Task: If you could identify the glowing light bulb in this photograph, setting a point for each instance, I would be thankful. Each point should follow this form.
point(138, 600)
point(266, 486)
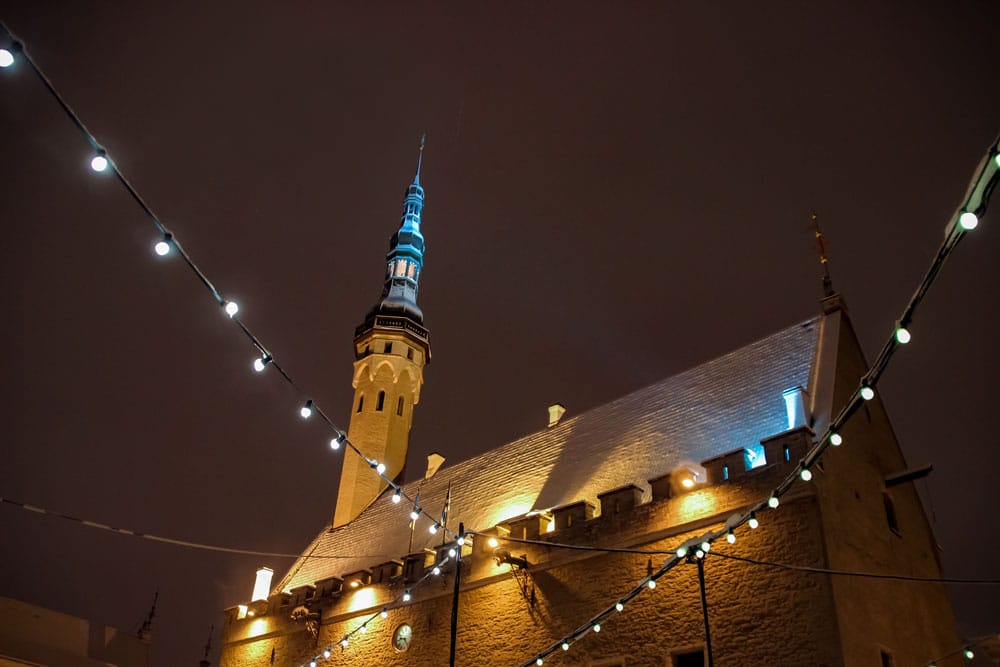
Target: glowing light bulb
point(380, 468)
point(706, 546)
point(565, 646)
point(406, 595)
point(687, 482)
point(306, 410)
point(867, 393)
point(343, 642)
point(363, 629)
point(903, 335)
point(460, 541)
point(436, 571)
point(261, 362)
point(806, 474)
point(232, 308)
point(699, 553)
point(835, 439)
point(996, 158)
point(434, 528)
point(619, 606)
point(493, 543)
point(651, 584)
point(99, 163)
point(752, 521)
point(335, 442)
point(384, 614)
point(6, 58)
point(968, 221)
point(415, 513)
point(969, 655)
point(681, 551)
point(161, 248)
point(312, 663)
point(326, 653)
point(396, 497)
point(731, 537)
point(451, 553)
point(773, 501)
point(539, 661)
point(597, 627)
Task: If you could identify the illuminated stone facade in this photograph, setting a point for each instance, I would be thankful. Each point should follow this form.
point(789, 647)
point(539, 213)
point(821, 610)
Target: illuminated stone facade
point(610, 477)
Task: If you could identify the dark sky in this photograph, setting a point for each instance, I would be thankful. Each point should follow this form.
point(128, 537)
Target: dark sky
point(615, 192)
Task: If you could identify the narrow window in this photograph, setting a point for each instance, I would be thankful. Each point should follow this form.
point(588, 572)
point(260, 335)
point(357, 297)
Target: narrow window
point(725, 472)
point(399, 406)
point(690, 659)
point(886, 658)
point(409, 353)
point(380, 402)
point(388, 348)
point(788, 453)
point(890, 512)
point(361, 402)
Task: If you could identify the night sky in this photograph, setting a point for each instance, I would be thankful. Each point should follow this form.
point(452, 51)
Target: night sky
point(615, 192)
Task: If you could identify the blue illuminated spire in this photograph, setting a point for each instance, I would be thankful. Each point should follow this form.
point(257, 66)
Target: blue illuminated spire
point(405, 258)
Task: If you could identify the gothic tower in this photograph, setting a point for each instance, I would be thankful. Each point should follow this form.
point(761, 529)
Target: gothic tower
point(391, 348)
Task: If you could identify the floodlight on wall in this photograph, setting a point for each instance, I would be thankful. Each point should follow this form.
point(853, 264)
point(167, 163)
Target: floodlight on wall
point(262, 584)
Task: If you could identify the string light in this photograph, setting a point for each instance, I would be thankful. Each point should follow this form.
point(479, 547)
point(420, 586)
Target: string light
point(415, 513)
point(969, 655)
point(596, 627)
point(619, 606)
point(651, 584)
point(407, 596)
point(806, 474)
point(436, 570)
point(681, 551)
point(306, 410)
point(752, 521)
point(699, 554)
point(434, 528)
point(396, 497)
point(335, 442)
point(773, 502)
point(363, 628)
point(968, 221)
point(162, 246)
point(232, 308)
point(326, 654)
point(539, 661)
point(731, 537)
point(99, 163)
point(451, 552)
point(835, 439)
point(312, 663)
point(384, 613)
point(565, 646)
point(867, 393)
point(6, 58)
point(261, 363)
point(902, 335)
point(343, 642)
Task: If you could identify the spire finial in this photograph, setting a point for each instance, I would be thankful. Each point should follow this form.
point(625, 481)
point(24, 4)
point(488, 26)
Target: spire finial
point(823, 259)
point(420, 157)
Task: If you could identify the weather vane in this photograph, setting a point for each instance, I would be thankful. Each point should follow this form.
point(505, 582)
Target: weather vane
point(823, 259)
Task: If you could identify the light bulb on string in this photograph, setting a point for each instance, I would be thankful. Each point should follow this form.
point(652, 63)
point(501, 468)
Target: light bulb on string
point(539, 661)
point(596, 627)
point(619, 606)
point(451, 552)
point(436, 571)
point(903, 335)
point(260, 363)
point(651, 584)
point(406, 595)
point(162, 246)
point(752, 521)
point(699, 554)
point(232, 308)
point(969, 655)
point(99, 163)
point(806, 474)
point(565, 646)
point(706, 546)
point(731, 537)
point(867, 393)
point(379, 468)
point(434, 528)
point(415, 513)
point(968, 221)
point(384, 613)
point(396, 497)
point(343, 642)
point(326, 654)
point(312, 663)
point(6, 58)
point(681, 551)
point(335, 442)
point(364, 628)
point(460, 541)
point(773, 502)
point(306, 410)
point(835, 439)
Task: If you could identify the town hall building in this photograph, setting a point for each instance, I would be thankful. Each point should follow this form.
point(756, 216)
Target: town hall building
point(548, 530)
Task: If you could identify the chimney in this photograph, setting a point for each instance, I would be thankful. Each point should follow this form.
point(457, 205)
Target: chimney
point(434, 461)
point(555, 413)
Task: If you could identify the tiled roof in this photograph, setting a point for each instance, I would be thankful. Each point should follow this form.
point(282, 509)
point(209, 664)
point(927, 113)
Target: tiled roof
point(730, 402)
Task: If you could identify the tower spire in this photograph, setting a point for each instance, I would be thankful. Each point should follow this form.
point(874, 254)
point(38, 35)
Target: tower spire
point(823, 259)
point(420, 157)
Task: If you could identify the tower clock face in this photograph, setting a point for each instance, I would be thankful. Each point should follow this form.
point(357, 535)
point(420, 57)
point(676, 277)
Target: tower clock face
point(401, 638)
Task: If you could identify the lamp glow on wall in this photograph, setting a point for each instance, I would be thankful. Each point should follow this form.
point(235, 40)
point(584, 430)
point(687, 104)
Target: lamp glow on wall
point(262, 585)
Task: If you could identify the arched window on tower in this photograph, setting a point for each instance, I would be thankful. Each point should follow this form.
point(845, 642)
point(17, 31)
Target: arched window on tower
point(399, 406)
point(380, 403)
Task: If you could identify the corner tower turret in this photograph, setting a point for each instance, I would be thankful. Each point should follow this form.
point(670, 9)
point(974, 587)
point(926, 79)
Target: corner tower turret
point(391, 348)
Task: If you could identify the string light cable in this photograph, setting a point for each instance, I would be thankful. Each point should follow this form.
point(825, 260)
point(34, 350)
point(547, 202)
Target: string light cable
point(966, 650)
point(965, 219)
point(101, 162)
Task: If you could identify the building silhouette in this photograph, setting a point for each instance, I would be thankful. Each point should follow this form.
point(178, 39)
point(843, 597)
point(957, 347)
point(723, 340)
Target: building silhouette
point(645, 473)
